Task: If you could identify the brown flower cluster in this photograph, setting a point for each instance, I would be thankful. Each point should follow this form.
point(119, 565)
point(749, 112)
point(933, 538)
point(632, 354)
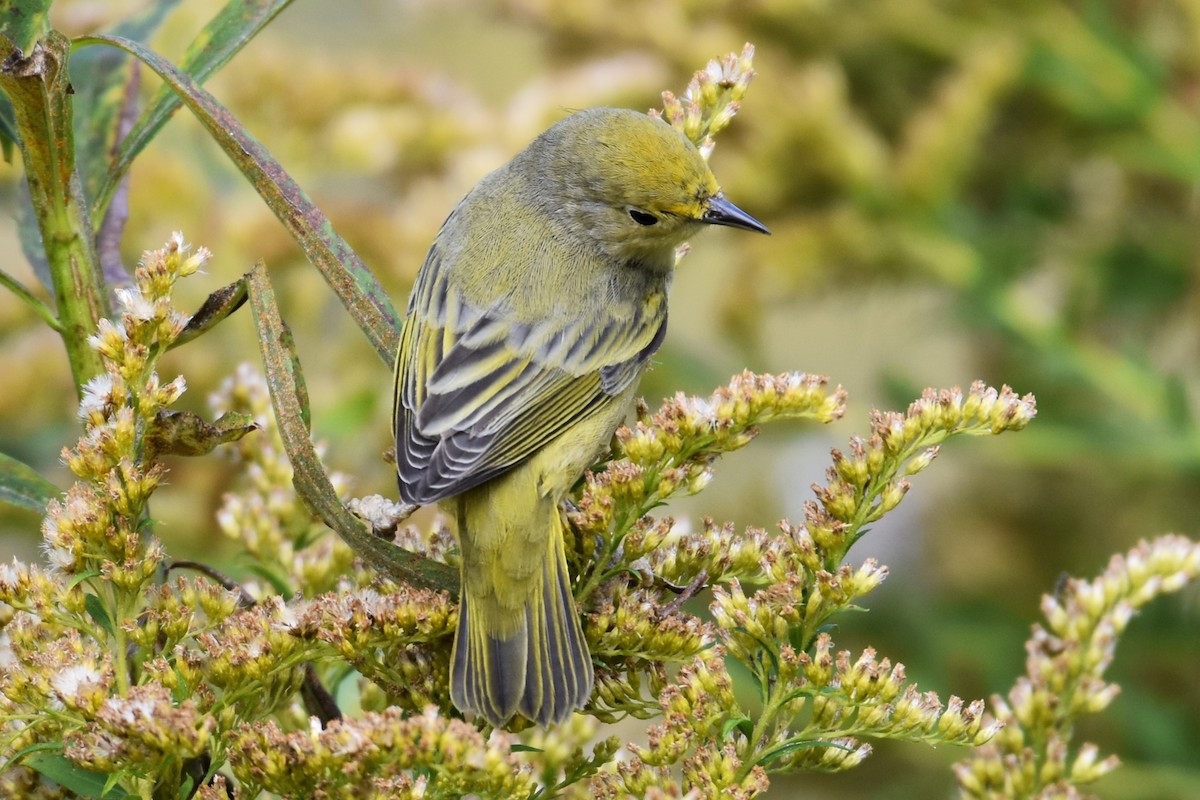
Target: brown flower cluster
point(386, 755)
point(399, 639)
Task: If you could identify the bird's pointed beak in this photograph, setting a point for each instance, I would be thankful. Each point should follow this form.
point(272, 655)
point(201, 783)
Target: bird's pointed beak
point(722, 212)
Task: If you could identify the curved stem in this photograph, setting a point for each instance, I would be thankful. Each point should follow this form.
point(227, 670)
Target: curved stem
point(28, 298)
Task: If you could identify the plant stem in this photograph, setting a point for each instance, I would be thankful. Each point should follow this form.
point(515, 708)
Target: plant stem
point(30, 299)
point(39, 88)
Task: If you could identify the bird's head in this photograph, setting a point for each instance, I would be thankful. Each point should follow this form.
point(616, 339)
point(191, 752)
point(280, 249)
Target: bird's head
point(633, 184)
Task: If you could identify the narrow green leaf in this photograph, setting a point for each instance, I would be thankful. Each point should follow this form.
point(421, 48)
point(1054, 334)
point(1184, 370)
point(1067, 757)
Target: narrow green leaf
point(37, 747)
point(182, 689)
point(98, 613)
point(743, 725)
point(106, 104)
point(29, 234)
point(525, 748)
point(8, 129)
point(309, 478)
point(792, 746)
point(74, 778)
point(354, 284)
point(278, 582)
point(229, 31)
point(105, 82)
point(24, 22)
point(21, 485)
point(110, 784)
point(83, 576)
point(216, 307)
point(288, 343)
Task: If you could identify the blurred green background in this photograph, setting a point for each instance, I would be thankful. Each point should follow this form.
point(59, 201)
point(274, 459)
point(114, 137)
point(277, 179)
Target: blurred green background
point(957, 190)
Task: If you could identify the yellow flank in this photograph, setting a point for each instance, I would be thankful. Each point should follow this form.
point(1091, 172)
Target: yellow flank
point(538, 307)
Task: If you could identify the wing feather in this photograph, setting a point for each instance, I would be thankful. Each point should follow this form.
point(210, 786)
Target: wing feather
point(476, 394)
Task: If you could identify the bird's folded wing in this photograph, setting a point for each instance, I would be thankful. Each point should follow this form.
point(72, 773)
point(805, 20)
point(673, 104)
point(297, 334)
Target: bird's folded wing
point(478, 394)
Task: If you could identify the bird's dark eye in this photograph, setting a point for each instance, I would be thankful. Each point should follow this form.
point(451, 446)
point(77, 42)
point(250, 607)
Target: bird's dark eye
point(642, 218)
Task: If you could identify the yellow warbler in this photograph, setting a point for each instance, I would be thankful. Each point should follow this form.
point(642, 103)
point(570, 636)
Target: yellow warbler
point(538, 307)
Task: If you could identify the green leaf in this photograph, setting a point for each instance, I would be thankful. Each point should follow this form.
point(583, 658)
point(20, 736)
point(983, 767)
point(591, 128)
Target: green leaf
point(83, 576)
point(525, 748)
point(744, 725)
point(21, 485)
point(309, 476)
point(74, 778)
point(98, 613)
point(29, 234)
point(354, 284)
point(278, 582)
point(8, 129)
point(37, 747)
point(792, 746)
point(105, 82)
point(299, 386)
point(17, 288)
point(24, 22)
point(228, 32)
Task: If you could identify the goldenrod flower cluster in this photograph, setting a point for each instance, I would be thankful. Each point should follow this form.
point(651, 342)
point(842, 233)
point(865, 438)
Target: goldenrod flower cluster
point(380, 755)
point(817, 704)
point(1066, 658)
point(262, 510)
point(711, 100)
point(399, 639)
point(79, 640)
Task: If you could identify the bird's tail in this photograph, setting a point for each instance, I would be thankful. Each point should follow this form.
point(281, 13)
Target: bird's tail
point(538, 665)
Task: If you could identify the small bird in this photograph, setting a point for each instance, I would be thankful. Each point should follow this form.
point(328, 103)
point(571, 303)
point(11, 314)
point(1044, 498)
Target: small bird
point(541, 301)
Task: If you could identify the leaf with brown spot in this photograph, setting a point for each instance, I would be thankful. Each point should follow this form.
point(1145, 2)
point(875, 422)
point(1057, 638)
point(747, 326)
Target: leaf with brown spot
point(216, 307)
point(182, 433)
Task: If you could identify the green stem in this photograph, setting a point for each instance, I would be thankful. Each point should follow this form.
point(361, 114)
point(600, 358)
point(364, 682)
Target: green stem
point(40, 91)
point(120, 646)
point(765, 720)
point(865, 507)
point(28, 298)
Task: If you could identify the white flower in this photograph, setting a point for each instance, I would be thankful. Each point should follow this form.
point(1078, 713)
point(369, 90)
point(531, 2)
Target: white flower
point(7, 657)
point(70, 680)
point(11, 574)
point(136, 304)
point(60, 558)
point(97, 395)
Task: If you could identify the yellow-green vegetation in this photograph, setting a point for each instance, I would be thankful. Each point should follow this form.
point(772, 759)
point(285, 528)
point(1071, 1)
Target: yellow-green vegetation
point(954, 189)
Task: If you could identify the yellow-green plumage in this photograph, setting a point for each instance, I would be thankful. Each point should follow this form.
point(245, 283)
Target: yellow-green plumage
point(535, 313)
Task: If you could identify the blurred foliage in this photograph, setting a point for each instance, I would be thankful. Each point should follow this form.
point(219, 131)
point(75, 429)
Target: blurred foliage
point(957, 189)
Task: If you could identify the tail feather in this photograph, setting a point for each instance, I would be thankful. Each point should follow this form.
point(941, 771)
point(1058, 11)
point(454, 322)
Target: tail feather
point(559, 675)
point(542, 669)
point(488, 672)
